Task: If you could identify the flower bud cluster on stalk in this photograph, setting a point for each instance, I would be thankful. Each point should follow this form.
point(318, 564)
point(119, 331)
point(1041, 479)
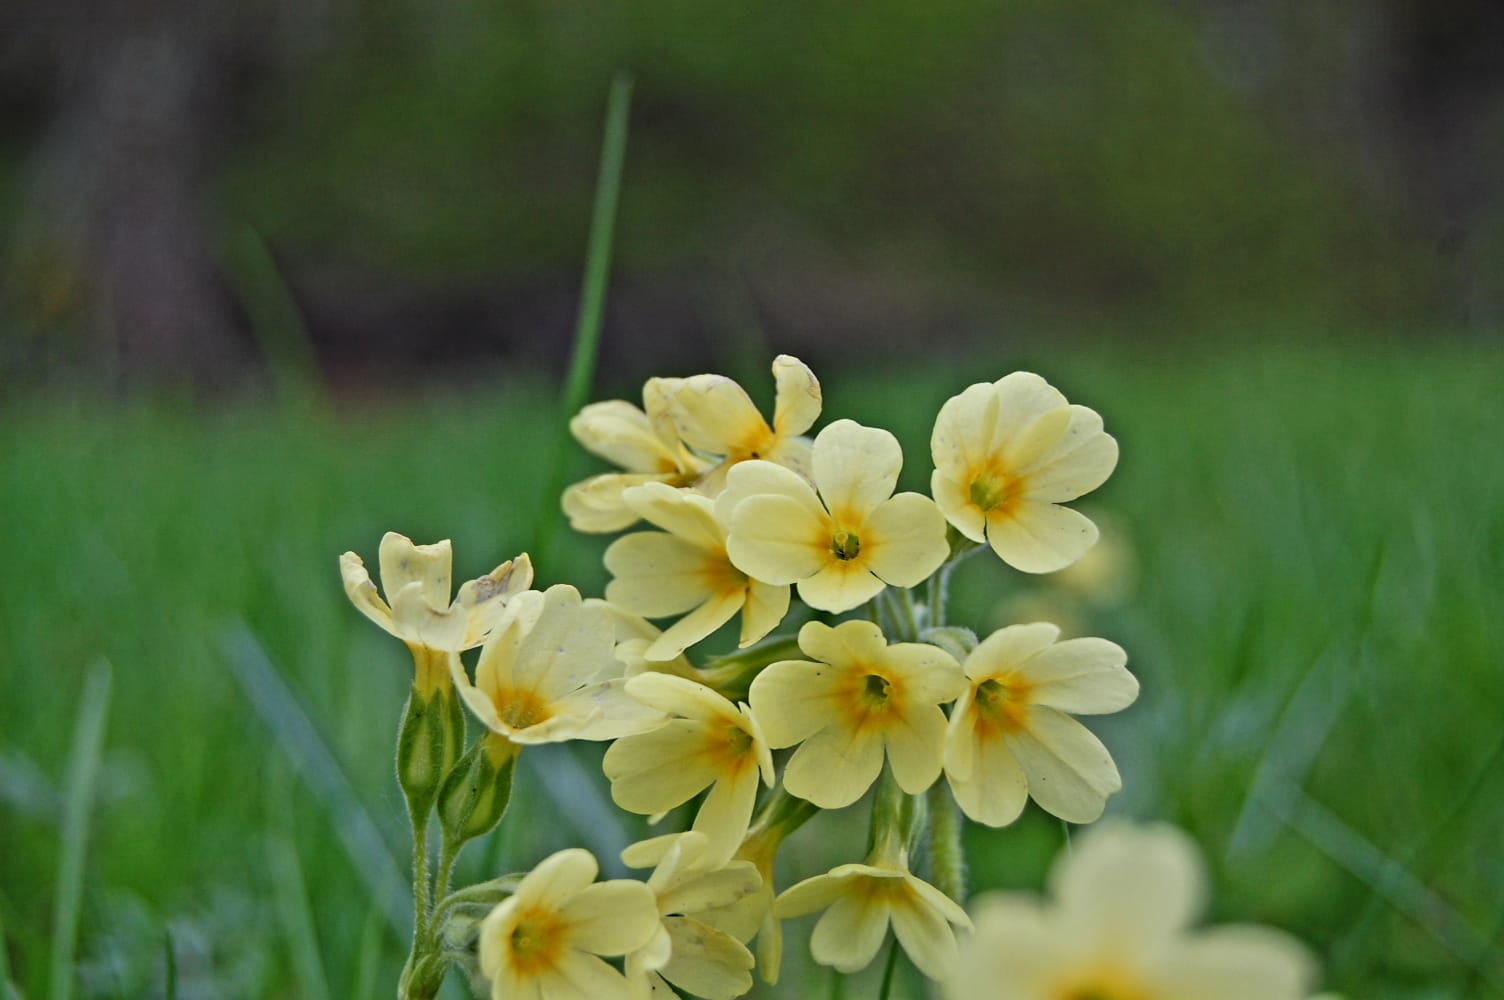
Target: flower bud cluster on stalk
point(865, 688)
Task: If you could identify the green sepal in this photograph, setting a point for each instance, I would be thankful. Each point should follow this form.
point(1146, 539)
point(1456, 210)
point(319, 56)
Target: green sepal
point(954, 639)
point(429, 741)
point(477, 790)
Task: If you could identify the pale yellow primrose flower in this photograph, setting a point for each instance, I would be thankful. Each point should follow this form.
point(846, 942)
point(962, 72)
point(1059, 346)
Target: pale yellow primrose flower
point(708, 742)
point(844, 539)
point(1010, 736)
point(860, 900)
point(864, 699)
point(1006, 455)
point(684, 568)
point(643, 442)
point(716, 417)
point(1119, 928)
point(417, 609)
point(545, 941)
point(547, 674)
point(694, 948)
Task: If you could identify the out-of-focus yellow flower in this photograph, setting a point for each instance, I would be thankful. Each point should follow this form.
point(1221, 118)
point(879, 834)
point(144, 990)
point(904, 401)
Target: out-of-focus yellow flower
point(1119, 928)
point(716, 417)
point(643, 442)
point(547, 674)
point(695, 948)
point(860, 900)
point(417, 608)
point(684, 568)
point(1010, 736)
point(1007, 454)
point(708, 742)
point(862, 701)
point(545, 941)
point(844, 539)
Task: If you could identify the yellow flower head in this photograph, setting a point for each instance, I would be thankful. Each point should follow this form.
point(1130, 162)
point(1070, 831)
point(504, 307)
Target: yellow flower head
point(642, 442)
point(417, 608)
point(696, 947)
point(860, 900)
point(1119, 928)
point(684, 568)
point(862, 700)
point(715, 417)
point(846, 537)
point(708, 743)
point(547, 674)
point(1010, 735)
point(1006, 455)
point(547, 938)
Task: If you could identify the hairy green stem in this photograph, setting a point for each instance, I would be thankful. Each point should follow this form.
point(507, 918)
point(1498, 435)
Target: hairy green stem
point(947, 854)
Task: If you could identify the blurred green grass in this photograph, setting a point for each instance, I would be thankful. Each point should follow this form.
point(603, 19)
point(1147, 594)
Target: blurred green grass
point(1317, 540)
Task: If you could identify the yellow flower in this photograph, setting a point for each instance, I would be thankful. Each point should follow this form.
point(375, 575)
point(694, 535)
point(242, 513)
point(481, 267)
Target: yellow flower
point(643, 442)
point(860, 900)
point(1118, 928)
point(1010, 735)
point(547, 674)
point(417, 609)
point(708, 743)
point(864, 699)
point(684, 568)
point(545, 941)
point(845, 544)
point(1006, 456)
point(714, 416)
point(695, 947)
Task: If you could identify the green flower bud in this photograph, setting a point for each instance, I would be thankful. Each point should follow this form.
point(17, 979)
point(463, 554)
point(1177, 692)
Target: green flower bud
point(429, 741)
point(477, 790)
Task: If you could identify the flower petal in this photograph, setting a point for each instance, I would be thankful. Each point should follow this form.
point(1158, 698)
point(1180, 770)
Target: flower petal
point(903, 539)
point(956, 504)
point(657, 574)
point(1002, 651)
point(1081, 676)
point(778, 540)
point(1080, 461)
point(792, 699)
point(834, 767)
point(1039, 537)
point(765, 607)
point(840, 586)
point(915, 745)
point(995, 790)
point(686, 515)
point(656, 771)
point(798, 401)
point(1070, 771)
point(718, 609)
point(714, 415)
point(1135, 888)
point(856, 468)
point(612, 918)
point(403, 563)
point(1237, 963)
point(925, 935)
point(848, 936)
point(362, 592)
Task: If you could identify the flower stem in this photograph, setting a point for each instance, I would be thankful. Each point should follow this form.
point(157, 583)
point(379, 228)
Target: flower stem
point(947, 855)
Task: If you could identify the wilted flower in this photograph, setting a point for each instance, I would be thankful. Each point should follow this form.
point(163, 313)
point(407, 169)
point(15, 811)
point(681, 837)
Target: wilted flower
point(1119, 928)
point(1006, 455)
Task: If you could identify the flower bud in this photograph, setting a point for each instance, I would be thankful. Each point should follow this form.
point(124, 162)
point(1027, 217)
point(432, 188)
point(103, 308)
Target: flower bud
point(429, 741)
point(477, 790)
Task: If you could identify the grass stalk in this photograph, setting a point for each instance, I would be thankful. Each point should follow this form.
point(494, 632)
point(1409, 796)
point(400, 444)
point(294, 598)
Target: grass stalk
point(587, 329)
point(83, 771)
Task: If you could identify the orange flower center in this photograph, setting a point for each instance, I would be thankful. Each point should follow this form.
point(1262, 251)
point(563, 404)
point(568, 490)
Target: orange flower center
point(1003, 703)
point(729, 746)
point(845, 544)
point(521, 709)
point(1102, 984)
point(992, 489)
point(536, 940)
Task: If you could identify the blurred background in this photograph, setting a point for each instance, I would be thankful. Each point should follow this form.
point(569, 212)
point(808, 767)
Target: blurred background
point(277, 277)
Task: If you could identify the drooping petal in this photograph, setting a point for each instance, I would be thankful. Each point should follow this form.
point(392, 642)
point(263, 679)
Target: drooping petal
point(727, 811)
point(798, 401)
point(856, 468)
point(362, 592)
point(814, 893)
point(848, 936)
point(1071, 774)
point(1039, 537)
point(903, 539)
point(925, 934)
point(765, 607)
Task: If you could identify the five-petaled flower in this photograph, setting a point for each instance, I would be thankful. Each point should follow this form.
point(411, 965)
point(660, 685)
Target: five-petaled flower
point(861, 701)
point(1010, 736)
point(846, 537)
point(547, 939)
point(1119, 928)
point(684, 568)
point(1007, 454)
point(707, 743)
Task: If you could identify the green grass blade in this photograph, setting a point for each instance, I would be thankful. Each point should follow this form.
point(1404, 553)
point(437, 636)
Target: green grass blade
point(83, 770)
point(300, 741)
point(170, 965)
point(368, 959)
point(275, 318)
point(296, 917)
point(8, 988)
point(587, 329)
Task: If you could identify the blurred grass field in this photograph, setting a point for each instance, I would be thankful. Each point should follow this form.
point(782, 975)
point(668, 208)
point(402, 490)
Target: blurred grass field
point(1311, 600)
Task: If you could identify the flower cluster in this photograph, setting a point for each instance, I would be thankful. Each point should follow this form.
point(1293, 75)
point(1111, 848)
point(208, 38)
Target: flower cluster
point(728, 515)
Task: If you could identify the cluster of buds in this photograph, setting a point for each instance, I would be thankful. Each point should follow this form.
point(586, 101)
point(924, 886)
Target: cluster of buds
point(874, 688)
